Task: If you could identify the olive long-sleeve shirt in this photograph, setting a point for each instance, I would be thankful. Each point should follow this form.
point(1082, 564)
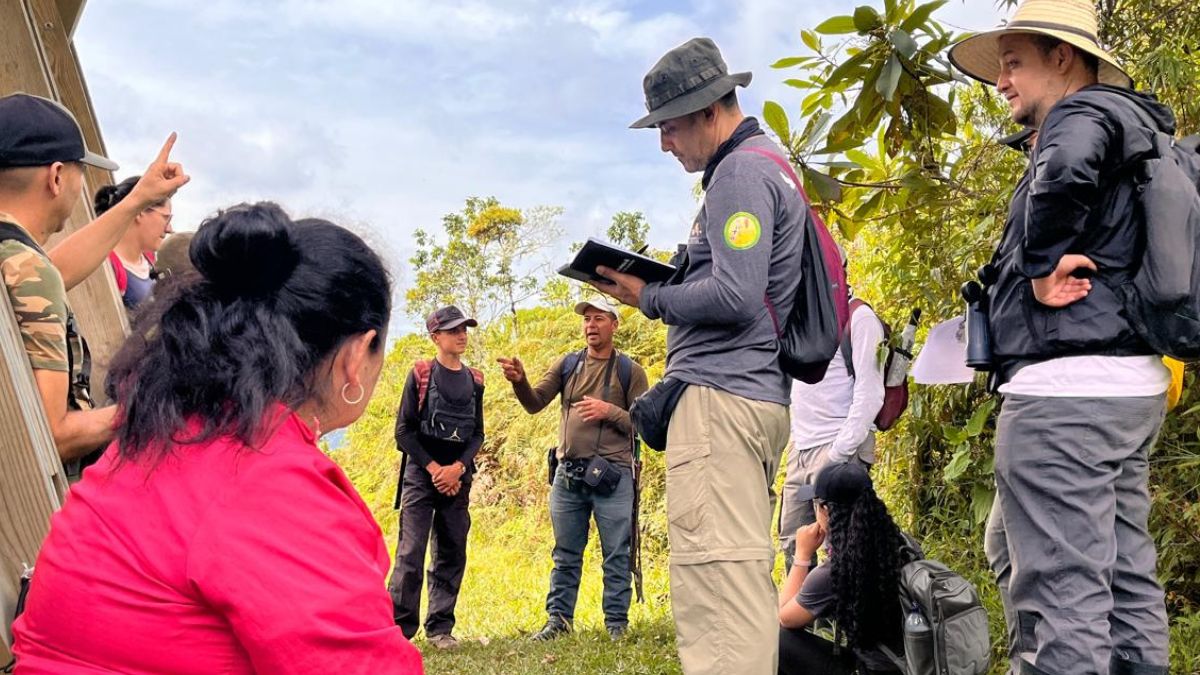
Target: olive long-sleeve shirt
point(577, 438)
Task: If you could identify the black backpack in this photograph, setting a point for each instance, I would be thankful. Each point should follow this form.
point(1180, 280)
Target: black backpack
point(440, 418)
point(1162, 300)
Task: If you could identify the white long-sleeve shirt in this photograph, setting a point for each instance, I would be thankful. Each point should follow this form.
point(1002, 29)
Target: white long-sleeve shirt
point(840, 409)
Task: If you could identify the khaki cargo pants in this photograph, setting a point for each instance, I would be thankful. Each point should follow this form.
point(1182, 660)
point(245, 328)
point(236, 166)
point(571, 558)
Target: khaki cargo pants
point(722, 455)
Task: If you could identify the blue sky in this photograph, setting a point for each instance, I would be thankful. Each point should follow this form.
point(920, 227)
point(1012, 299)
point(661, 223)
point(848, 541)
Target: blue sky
point(386, 114)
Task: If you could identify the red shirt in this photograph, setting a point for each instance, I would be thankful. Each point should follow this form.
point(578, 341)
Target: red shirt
point(221, 559)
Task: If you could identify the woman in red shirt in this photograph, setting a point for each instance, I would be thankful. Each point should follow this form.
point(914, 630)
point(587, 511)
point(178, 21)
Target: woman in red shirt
point(214, 536)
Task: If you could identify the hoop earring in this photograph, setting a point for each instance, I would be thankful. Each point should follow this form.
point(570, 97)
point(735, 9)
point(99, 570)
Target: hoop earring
point(362, 391)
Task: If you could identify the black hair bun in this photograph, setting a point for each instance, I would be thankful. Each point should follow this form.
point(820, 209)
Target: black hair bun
point(105, 198)
point(246, 250)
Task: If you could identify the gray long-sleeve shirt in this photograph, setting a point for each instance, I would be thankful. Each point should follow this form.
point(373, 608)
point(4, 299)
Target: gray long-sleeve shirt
point(744, 247)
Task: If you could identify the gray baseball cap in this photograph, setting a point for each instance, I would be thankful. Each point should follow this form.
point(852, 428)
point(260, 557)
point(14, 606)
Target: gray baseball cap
point(688, 78)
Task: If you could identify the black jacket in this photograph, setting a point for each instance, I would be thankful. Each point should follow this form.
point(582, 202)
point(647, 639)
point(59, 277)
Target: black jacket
point(1077, 196)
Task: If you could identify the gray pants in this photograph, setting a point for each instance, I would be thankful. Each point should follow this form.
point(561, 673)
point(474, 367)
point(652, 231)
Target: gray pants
point(1068, 538)
point(803, 465)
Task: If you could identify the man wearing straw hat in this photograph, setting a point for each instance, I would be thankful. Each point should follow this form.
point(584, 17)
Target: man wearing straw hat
point(1083, 395)
point(728, 430)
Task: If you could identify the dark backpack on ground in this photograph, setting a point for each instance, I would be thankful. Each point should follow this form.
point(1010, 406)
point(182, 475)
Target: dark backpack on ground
point(958, 642)
point(895, 398)
point(1162, 301)
point(811, 333)
point(440, 418)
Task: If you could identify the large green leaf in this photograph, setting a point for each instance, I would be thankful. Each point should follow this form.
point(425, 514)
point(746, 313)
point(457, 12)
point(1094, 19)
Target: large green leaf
point(889, 78)
point(777, 119)
point(811, 40)
point(827, 188)
point(981, 503)
point(958, 464)
point(903, 42)
point(791, 61)
point(866, 19)
point(920, 15)
point(975, 425)
point(838, 25)
point(847, 68)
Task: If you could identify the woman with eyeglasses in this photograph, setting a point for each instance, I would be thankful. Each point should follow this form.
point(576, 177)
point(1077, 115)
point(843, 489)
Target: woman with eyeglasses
point(132, 259)
point(214, 535)
point(856, 587)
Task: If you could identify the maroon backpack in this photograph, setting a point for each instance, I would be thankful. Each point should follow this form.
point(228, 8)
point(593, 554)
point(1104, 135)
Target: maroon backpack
point(811, 333)
point(895, 398)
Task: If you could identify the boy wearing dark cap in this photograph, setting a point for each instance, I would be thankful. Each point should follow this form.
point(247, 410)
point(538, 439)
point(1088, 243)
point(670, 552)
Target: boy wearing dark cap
point(439, 428)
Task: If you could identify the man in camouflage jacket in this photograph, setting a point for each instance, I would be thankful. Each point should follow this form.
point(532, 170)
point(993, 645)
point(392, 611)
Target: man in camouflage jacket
point(42, 158)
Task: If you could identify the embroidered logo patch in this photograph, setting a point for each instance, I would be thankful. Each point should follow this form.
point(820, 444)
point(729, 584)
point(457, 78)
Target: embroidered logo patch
point(742, 231)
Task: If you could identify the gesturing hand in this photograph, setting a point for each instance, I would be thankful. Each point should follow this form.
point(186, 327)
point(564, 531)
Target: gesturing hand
point(624, 287)
point(161, 179)
point(1060, 288)
point(592, 409)
point(514, 370)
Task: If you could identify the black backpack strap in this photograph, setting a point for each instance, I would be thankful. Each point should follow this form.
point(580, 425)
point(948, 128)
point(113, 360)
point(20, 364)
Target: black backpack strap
point(625, 375)
point(10, 231)
point(847, 345)
point(571, 365)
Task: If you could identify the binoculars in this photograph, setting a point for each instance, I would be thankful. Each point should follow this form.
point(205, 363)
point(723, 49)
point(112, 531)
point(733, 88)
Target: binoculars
point(979, 335)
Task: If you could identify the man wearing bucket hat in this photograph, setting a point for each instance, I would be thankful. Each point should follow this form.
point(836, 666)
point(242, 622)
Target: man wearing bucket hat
point(42, 158)
point(1083, 395)
point(596, 386)
point(728, 430)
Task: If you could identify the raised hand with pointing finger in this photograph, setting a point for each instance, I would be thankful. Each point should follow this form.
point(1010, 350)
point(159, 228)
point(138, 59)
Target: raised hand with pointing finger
point(161, 179)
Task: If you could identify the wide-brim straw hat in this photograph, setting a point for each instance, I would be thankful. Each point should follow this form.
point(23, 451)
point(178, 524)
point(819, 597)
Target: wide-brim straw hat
point(1072, 21)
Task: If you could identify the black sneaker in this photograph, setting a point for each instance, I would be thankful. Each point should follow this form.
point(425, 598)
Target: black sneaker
point(556, 627)
point(617, 631)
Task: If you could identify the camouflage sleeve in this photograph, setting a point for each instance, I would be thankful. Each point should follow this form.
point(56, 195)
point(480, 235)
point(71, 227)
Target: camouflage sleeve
point(39, 301)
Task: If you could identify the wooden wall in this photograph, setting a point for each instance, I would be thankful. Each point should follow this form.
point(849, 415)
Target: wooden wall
point(38, 57)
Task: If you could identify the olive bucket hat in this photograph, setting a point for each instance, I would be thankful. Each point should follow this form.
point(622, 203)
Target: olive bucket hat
point(688, 78)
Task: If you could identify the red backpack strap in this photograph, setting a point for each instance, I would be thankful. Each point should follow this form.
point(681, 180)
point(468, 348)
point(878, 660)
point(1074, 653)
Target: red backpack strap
point(827, 246)
point(478, 376)
point(152, 257)
point(118, 271)
point(421, 371)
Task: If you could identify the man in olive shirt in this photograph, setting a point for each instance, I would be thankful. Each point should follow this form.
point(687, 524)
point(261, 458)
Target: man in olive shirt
point(597, 388)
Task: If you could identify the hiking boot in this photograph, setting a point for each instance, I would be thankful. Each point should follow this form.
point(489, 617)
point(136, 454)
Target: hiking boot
point(556, 627)
point(442, 641)
point(617, 632)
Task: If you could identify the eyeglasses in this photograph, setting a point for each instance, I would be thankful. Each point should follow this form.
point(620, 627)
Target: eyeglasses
point(166, 216)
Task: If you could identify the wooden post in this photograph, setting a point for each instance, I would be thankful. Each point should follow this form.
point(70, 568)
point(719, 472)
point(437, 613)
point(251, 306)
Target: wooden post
point(37, 57)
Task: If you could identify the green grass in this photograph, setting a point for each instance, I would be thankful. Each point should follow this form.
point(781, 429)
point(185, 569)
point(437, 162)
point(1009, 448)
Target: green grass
point(503, 602)
point(503, 597)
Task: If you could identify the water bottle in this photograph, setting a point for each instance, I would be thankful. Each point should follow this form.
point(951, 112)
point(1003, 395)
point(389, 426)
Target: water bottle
point(918, 643)
point(897, 374)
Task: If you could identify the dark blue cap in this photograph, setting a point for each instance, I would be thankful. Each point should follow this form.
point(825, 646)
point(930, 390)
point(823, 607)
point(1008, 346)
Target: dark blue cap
point(36, 131)
point(446, 318)
point(842, 483)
